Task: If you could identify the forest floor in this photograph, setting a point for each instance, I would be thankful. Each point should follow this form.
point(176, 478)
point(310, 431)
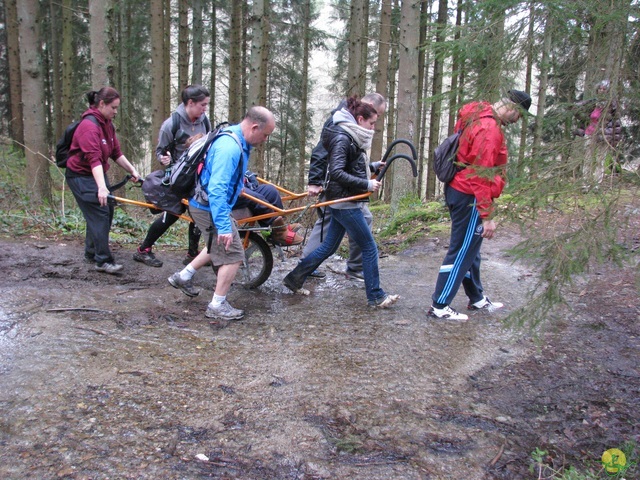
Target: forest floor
point(123, 377)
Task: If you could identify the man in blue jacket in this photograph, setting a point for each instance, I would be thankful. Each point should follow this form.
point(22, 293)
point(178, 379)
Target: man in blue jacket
point(222, 180)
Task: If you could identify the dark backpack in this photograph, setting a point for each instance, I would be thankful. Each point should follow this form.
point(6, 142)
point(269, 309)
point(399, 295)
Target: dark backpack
point(444, 158)
point(64, 144)
point(184, 173)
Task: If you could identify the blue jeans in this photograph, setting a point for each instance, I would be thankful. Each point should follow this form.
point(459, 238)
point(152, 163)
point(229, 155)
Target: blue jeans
point(353, 222)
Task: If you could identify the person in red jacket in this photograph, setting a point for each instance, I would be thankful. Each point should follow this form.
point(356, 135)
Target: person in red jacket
point(94, 143)
point(469, 197)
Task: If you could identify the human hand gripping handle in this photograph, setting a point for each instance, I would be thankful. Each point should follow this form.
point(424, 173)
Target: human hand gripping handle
point(314, 190)
point(374, 185)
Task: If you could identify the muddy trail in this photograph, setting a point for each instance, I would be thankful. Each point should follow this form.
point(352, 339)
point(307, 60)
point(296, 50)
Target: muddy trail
point(117, 377)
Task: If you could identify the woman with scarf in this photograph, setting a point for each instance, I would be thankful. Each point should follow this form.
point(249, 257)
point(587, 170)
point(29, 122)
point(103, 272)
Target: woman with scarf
point(348, 174)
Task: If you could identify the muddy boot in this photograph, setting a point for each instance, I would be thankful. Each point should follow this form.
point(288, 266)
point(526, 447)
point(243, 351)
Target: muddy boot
point(282, 234)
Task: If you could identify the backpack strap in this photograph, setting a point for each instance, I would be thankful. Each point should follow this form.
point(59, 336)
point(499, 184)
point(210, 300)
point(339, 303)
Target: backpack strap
point(175, 123)
point(207, 124)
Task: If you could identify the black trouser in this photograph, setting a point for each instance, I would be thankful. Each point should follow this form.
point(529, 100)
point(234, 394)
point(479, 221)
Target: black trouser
point(97, 217)
point(162, 224)
point(266, 193)
point(461, 265)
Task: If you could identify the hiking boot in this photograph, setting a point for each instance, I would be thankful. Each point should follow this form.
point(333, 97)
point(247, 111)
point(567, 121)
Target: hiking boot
point(109, 267)
point(354, 275)
point(385, 302)
point(224, 311)
point(185, 285)
point(283, 235)
point(147, 257)
point(486, 305)
point(446, 313)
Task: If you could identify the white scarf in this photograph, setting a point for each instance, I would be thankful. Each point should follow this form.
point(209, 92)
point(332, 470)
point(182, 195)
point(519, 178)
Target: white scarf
point(360, 135)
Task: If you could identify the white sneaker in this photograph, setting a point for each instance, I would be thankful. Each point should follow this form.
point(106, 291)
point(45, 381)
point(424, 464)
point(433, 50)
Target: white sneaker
point(486, 305)
point(224, 311)
point(385, 302)
point(446, 313)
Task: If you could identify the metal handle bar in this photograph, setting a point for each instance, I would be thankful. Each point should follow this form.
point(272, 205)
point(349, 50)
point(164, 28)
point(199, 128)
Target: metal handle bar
point(388, 163)
point(398, 141)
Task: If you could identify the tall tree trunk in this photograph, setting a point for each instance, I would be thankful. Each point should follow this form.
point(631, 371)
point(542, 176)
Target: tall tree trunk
point(16, 126)
point(304, 100)
point(38, 179)
point(391, 108)
point(214, 69)
point(403, 181)
point(67, 57)
point(235, 63)
point(382, 74)
point(543, 67)
point(423, 70)
point(436, 105)
point(456, 65)
point(167, 104)
point(102, 66)
point(56, 81)
point(183, 44)
point(530, 45)
point(197, 30)
point(124, 81)
point(158, 74)
point(257, 94)
point(356, 68)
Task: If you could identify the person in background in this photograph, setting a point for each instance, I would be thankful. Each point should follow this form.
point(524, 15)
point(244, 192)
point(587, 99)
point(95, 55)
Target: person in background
point(469, 197)
point(173, 140)
point(92, 146)
point(346, 142)
point(222, 180)
point(602, 129)
point(317, 177)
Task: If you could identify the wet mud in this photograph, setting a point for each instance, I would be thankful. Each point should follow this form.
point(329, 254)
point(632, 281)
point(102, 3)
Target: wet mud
point(118, 377)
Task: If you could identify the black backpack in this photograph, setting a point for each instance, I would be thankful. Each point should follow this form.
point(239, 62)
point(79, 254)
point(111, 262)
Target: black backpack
point(444, 158)
point(64, 144)
point(185, 172)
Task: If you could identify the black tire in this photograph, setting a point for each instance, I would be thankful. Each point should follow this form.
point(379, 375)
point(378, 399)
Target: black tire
point(258, 262)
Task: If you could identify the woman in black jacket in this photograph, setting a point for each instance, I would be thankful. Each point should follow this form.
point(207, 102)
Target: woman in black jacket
point(348, 175)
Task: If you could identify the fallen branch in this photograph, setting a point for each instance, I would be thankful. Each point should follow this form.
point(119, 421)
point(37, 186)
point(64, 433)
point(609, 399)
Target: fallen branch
point(94, 330)
point(77, 309)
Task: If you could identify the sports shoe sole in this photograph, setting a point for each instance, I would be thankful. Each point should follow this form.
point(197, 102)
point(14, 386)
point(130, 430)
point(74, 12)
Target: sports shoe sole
point(174, 284)
point(209, 314)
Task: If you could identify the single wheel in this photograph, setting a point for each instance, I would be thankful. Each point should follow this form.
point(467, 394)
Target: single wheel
point(258, 262)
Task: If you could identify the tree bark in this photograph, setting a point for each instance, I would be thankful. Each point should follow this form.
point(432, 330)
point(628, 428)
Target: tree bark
point(304, 100)
point(356, 68)
point(16, 126)
point(403, 181)
point(436, 105)
point(235, 64)
point(382, 74)
point(183, 44)
point(258, 65)
point(158, 77)
point(67, 57)
point(214, 69)
point(38, 179)
point(197, 34)
point(102, 65)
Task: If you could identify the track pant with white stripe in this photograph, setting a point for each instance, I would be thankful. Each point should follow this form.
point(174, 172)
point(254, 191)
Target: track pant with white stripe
point(461, 265)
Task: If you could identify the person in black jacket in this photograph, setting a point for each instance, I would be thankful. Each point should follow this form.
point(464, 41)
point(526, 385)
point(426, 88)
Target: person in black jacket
point(317, 177)
point(348, 174)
